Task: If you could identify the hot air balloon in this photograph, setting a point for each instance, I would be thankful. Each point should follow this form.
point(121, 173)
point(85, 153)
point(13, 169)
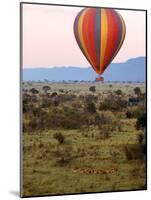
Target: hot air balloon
point(100, 34)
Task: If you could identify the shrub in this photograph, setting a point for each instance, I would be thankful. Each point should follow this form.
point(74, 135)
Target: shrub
point(141, 121)
point(113, 103)
point(26, 98)
point(34, 91)
point(107, 124)
point(32, 125)
point(89, 98)
point(118, 92)
point(133, 152)
point(129, 114)
point(137, 91)
point(54, 94)
point(64, 155)
point(46, 102)
point(36, 112)
point(92, 89)
point(61, 90)
point(90, 107)
point(27, 107)
point(65, 117)
point(46, 88)
point(105, 117)
point(135, 112)
point(66, 97)
point(140, 138)
point(133, 101)
point(59, 137)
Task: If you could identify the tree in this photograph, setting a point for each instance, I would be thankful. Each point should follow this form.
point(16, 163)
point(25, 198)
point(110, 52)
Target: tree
point(137, 91)
point(46, 80)
point(129, 114)
point(61, 90)
point(91, 107)
point(54, 94)
point(141, 121)
point(59, 137)
point(118, 92)
point(46, 88)
point(34, 91)
point(141, 124)
point(92, 89)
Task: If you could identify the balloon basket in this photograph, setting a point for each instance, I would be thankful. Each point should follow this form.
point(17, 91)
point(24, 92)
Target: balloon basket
point(100, 78)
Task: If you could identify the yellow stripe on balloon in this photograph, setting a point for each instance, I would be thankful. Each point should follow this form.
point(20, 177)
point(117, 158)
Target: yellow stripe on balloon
point(103, 39)
point(80, 25)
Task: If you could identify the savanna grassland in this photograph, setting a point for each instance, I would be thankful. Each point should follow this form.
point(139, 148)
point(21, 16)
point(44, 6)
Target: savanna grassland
point(83, 137)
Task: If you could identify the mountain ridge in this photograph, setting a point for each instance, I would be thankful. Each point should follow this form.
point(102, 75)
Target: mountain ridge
point(131, 70)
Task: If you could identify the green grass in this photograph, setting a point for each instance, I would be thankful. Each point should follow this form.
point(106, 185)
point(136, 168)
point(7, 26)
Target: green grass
point(44, 172)
point(43, 175)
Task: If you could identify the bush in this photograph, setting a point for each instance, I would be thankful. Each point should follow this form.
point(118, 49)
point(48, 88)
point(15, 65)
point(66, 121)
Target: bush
point(54, 94)
point(59, 137)
point(118, 92)
point(113, 103)
point(140, 138)
point(133, 152)
point(46, 102)
point(106, 124)
point(141, 121)
point(129, 114)
point(64, 155)
point(89, 98)
point(34, 91)
point(90, 107)
point(105, 117)
point(133, 101)
point(36, 112)
point(135, 112)
point(65, 117)
point(137, 91)
point(66, 97)
point(92, 89)
point(46, 88)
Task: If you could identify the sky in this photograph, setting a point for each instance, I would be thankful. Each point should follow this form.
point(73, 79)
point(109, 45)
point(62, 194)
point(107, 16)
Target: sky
point(48, 38)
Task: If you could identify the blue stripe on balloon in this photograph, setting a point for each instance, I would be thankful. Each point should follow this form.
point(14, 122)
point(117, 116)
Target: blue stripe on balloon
point(97, 34)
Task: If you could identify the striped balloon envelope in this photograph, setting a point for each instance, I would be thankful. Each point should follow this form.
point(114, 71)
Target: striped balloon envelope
point(100, 34)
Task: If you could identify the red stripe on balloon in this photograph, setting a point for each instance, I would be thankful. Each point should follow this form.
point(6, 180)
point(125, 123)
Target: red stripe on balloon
point(112, 37)
point(89, 36)
point(77, 35)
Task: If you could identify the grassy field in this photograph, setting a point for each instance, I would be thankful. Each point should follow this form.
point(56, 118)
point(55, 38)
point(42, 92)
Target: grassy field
point(83, 88)
point(86, 147)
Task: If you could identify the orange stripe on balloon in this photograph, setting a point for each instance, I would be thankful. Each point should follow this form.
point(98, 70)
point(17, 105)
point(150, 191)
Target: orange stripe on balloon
point(112, 37)
point(81, 37)
point(103, 39)
point(77, 35)
point(88, 36)
point(122, 38)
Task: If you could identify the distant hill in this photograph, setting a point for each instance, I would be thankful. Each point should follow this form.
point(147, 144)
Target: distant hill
point(131, 70)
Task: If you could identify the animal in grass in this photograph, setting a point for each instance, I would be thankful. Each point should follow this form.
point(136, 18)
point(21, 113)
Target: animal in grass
point(100, 34)
point(88, 170)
